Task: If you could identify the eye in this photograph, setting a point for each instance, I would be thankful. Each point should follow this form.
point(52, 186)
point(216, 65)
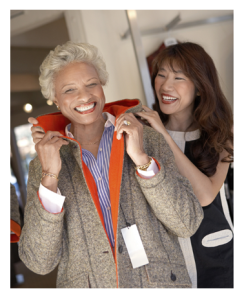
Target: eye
point(69, 90)
point(92, 84)
point(179, 78)
point(161, 75)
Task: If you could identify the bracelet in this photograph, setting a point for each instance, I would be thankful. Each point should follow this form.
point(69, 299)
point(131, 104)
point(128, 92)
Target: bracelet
point(44, 174)
point(144, 167)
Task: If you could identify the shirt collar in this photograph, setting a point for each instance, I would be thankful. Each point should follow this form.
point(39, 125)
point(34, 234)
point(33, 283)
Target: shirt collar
point(110, 121)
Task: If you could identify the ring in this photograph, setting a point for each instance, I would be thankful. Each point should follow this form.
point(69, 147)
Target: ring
point(127, 123)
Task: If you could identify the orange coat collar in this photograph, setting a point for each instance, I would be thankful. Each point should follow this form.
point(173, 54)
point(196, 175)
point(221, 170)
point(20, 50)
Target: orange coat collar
point(57, 122)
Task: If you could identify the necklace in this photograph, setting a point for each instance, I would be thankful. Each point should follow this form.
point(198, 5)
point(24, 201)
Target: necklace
point(91, 143)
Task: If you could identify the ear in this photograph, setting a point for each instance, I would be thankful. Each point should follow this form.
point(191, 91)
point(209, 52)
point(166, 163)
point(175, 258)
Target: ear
point(55, 101)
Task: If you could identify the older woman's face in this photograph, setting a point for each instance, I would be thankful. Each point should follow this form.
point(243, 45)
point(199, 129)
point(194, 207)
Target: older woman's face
point(79, 93)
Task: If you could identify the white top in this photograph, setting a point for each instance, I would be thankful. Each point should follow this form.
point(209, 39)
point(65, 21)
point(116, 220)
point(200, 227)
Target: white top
point(180, 137)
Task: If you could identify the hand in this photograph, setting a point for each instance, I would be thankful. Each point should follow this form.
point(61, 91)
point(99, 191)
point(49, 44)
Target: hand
point(153, 119)
point(48, 152)
point(133, 138)
point(37, 132)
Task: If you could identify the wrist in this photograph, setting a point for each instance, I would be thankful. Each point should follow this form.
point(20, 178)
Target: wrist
point(164, 131)
point(145, 166)
point(50, 181)
point(167, 137)
point(142, 159)
point(49, 174)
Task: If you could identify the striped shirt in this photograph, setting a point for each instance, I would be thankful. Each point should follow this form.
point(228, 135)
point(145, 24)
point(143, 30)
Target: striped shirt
point(99, 168)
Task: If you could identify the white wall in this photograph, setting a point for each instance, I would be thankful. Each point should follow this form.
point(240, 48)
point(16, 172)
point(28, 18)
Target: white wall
point(103, 28)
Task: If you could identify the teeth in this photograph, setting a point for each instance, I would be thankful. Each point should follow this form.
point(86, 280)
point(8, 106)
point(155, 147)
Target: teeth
point(85, 108)
point(169, 98)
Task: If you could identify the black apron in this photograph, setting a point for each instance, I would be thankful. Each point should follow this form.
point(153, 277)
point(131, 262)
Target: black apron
point(214, 257)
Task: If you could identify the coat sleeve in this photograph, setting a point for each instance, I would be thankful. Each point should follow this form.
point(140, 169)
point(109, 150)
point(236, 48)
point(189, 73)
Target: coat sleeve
point(169, 194)
point(40, 245)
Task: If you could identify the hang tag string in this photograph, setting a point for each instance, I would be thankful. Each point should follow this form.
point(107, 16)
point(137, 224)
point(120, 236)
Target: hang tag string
point(127, 223)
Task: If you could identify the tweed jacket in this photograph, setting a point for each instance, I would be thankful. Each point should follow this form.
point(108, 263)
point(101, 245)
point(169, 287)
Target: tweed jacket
point(163, 208)
point(14, 216)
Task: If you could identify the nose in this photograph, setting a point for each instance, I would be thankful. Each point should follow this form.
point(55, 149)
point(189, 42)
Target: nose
point(167, 84)
point(84, 94)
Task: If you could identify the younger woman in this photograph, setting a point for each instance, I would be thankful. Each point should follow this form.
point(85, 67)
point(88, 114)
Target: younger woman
point(195, 118)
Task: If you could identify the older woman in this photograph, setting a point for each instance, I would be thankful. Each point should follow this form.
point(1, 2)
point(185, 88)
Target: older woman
point(88, 210)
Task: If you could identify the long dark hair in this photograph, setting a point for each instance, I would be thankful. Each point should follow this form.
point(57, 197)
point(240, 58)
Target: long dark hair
point(211, 112)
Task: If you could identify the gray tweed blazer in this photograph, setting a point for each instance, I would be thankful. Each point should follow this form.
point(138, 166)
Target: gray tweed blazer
point(163, 208)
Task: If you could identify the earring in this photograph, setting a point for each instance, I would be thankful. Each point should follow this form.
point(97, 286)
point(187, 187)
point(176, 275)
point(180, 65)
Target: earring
point(58, 107)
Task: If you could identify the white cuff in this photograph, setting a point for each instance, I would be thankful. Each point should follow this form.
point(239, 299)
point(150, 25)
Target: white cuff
point(151, 171)
point(52, 202)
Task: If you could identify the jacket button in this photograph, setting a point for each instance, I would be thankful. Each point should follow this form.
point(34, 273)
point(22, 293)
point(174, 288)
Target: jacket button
point(120, 249)
point(173, 277)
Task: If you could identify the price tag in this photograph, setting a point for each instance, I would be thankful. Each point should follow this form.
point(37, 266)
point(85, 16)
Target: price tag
point(134, 246)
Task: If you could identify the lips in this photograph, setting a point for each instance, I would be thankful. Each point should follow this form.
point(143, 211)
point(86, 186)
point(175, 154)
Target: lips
point(168, 99)
point(86, 108)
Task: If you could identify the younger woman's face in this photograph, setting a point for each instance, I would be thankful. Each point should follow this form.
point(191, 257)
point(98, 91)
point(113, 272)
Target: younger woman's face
point(175, 91)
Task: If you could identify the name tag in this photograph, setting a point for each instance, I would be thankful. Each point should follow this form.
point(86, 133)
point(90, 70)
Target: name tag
point(217, 238)
point(134, 246)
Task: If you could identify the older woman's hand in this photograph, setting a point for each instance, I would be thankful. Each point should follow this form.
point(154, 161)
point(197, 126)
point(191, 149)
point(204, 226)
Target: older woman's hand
point(37, 132)
point(133, 137)
point(47, 148)
point(48, 152)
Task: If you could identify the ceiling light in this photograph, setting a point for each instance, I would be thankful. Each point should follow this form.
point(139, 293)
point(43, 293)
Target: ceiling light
point(49, 102)
point(28, 107)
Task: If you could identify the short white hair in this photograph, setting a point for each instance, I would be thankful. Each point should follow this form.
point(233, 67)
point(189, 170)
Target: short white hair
point(63, 55)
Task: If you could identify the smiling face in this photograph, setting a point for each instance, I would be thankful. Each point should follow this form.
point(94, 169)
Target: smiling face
point(79, 93)
point(175, 91)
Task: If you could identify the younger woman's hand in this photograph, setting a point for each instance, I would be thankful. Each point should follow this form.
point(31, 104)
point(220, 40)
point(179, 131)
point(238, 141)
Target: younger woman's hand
point(152, 118)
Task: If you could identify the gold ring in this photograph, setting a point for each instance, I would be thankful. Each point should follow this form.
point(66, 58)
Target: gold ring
point(127, 123)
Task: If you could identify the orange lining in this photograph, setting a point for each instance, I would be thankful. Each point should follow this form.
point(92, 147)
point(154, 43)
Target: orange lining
point(14, 227)
point(116, 168)
point(53, 122)
point(115, 176)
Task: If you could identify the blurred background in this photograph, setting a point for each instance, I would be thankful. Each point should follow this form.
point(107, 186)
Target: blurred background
point(127, 40)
